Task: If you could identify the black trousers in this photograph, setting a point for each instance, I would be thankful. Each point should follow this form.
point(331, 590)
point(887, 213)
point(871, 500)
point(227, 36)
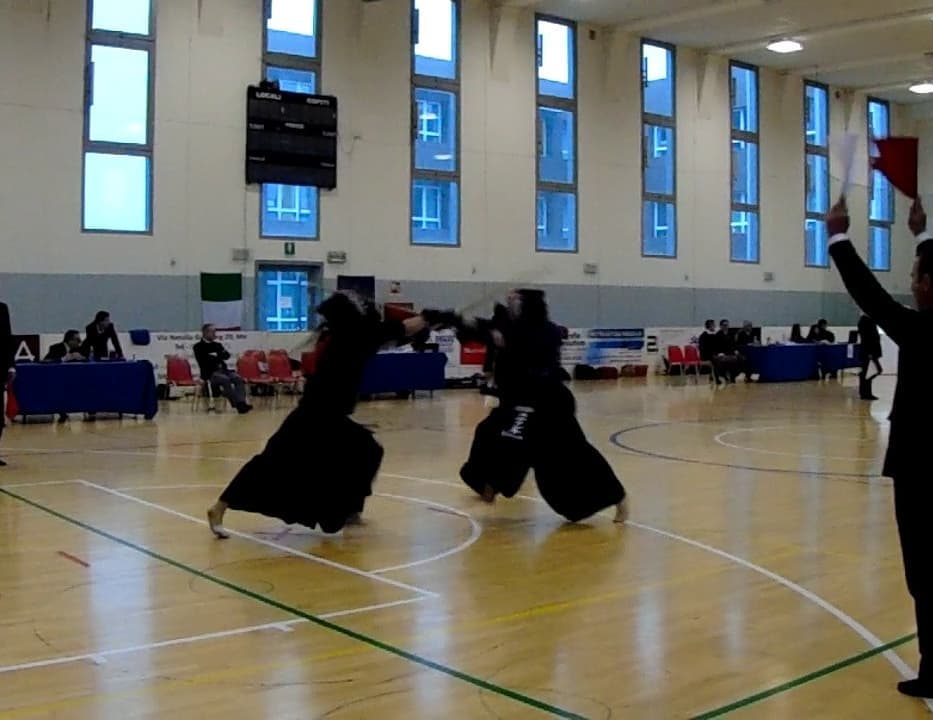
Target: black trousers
point(864, 384)
point(543, 434)
point(912, 498)
point(2, 407)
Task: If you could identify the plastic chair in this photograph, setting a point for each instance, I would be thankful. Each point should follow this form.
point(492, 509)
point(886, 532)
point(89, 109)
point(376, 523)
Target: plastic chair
point(247, 367)
point(178, 374)
point(280, 371)
point(675, 358)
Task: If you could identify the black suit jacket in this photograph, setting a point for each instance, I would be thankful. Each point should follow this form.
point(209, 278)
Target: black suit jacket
point(7, 350)
point(912, 331)
point(210, 357)
point(99, 342)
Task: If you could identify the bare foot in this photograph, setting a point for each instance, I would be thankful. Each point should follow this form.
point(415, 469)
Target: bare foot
point(621, 512)
point(489, 494)
point(215, 518)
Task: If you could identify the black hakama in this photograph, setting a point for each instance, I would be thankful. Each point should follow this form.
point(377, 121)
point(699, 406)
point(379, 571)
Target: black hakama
point(542, 435)
point(319, 466)
point(315, 470)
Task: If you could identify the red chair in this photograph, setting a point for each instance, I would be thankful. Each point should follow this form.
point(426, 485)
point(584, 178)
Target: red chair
point(247, 367)
point(692, 358)
point(280, 370)
point(675, 358)
point(178, 374)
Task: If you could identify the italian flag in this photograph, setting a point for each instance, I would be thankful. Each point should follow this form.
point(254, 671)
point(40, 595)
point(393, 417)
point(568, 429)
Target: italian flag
point(222, 300)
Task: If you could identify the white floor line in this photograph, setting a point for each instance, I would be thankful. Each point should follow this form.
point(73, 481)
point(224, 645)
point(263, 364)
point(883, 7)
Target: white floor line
point(720, 439)
point(867, 635)
point(267, 543)
point(476, 530)
point(902, 668)
point(100, 657)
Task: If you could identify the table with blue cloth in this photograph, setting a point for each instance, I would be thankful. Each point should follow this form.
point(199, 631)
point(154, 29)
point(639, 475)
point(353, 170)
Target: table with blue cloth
point(112, 386)
point(791, 363)
point(404, 372)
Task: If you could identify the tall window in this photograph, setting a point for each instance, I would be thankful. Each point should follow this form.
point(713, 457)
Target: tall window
point(435, 141)
point(658, 151)
point(118, 99)
point(292, 58)
point(816, 181)
point(556, 220)
point(880, 195)
point(745, 246)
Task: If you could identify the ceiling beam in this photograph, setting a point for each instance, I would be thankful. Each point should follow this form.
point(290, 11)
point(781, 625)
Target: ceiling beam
point(876, 23)
point(817, 70)
point(711, 9)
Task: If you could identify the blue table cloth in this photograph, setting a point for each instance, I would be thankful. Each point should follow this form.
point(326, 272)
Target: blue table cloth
point(791, 363)
point(126, 387)
point(404, 372)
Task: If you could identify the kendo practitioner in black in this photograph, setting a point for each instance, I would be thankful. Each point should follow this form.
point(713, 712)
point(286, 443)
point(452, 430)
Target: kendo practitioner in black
point(907, 461)
point(535, 425)
point(318, 468)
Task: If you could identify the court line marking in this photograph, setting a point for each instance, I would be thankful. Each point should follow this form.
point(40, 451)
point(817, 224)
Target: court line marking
point(616, 439)
point(719, 440)
point(873, 640)
point(802, 680)
point(100, 656)
point(315, 619)
point(261, 541)
point(476, 529)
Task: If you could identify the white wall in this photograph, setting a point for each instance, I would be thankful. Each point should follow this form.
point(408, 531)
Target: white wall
point(203, 210)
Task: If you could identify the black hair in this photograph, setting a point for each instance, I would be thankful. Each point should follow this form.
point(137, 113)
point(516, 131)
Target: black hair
point(101, 316)
point(71, 334)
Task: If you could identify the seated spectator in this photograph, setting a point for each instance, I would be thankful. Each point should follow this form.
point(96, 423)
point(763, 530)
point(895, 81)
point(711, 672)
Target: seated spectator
point(68, 350)
point(820, 333)
point(726, 363)
point(743, 339)
point(99, 335)
point(211, 357)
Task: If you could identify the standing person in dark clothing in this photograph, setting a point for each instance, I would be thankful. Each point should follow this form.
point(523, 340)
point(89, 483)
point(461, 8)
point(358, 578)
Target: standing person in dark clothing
point(7, 363)
point(908, 457)
point(319, 466)
point(99, 335)
point(869, 353)
point(212, 356)
point(535, 425)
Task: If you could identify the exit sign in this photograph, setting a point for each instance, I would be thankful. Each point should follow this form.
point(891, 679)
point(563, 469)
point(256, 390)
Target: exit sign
point(289, 249)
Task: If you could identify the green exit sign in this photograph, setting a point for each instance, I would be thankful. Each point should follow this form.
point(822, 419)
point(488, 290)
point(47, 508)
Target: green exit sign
point(289, 249)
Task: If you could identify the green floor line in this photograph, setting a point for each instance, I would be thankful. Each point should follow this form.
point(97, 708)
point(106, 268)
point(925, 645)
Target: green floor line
point(347, 632)
point(804, 679)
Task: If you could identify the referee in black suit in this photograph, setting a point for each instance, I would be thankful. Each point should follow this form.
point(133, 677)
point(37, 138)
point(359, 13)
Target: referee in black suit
point(907, 461)
point(7, 366)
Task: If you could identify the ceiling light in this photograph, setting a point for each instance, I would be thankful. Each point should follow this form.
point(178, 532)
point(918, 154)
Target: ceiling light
point(923, 88)
point(785, 46)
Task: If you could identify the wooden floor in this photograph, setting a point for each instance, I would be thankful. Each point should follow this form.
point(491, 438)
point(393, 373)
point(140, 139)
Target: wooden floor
point(759, 576)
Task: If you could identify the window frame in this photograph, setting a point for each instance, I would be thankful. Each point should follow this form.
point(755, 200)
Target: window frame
point(293, 62)
point(653, 120)
point(570, 105)
point(445, 85)
point(128, 41)
point(886, 225)
point(821, 151)
point(748, 137)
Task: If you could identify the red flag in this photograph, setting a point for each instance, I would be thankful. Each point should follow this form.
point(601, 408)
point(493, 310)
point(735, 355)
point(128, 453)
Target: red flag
point(897, 161)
